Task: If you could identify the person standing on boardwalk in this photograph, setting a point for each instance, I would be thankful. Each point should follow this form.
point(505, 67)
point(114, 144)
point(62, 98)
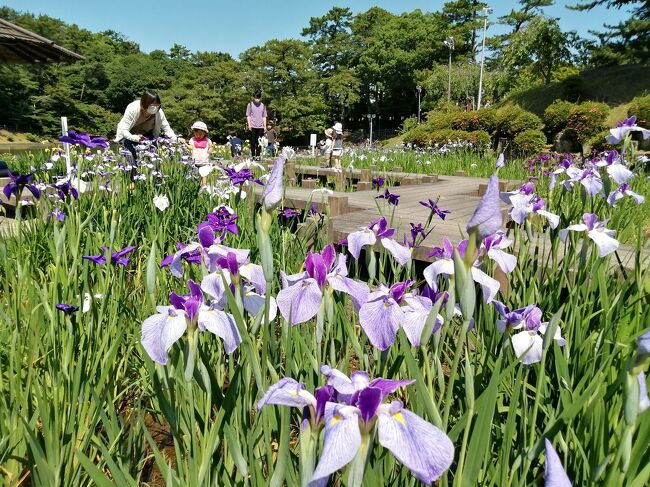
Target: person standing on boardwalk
point(271, 135)
point(337, 145)
point(143, 119)
point(256, 118)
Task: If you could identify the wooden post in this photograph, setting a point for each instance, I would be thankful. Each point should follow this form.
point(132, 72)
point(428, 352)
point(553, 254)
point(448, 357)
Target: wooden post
point(338, 205)
point(366, 175)
point(364, 186)
point(290, 170)
point(461, 173)
point(309, 183)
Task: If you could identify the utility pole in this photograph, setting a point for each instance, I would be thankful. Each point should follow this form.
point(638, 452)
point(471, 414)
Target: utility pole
point(486, 12)
point(449, 42)
point(419, 88)
point(370, 117)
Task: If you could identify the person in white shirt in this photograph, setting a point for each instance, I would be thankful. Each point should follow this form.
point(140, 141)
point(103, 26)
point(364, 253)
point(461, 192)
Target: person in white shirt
point(143, 119)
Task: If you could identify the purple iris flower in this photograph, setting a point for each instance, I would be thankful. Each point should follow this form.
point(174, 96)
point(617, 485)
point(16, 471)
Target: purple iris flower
point(433, 206)
point(487, 218)
point(56, 213)
point(615, 165)
point(222, 222)
point(67, 308)
point(501, 161)
point(289, 213)
point(162, 330)
point(589, 178)
point(82, 138)
point(389, 309)
point(620, 192)
point(240, 177)
point(65, 188)
point(596, 231)
point(528, 342)
point(643, 345)
point(302, 294)
point(378, 229)
point(554, 474)
point(117, 258)
point(525, 202)
point(418, 235)
point(17, 183)
point(424, 449)
point(378, 183)
point(444, 265)
point(493, 246)
point(625, 127)
point(391, 198)
point(193, 257)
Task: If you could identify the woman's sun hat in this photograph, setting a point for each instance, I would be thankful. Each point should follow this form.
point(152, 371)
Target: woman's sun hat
point(329, 132)
point(200, 126)
point(338, 128)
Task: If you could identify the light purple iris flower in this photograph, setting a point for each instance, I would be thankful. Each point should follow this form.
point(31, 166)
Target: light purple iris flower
point(501, 161)
point(302, 294)
point(643, 345)
point(525, 202)
point(274, 190)
point(117, 258)
point(589, 178)
point(369, 235)
point(162, 330)
point(420, 446)
point(390, 308)
point(625, 127)
point(487, 218)
point(554, 474)
point(231, 266)
point(445, 266)
point(596, 231)
point(615, 167)
point(527, 343)
point(493, 246)
point(620, 192)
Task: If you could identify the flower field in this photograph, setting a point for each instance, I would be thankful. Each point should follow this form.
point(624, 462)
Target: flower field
point(158, 332)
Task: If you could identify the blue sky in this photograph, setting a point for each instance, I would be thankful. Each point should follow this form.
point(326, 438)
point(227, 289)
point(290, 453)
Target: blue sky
point(233, 27)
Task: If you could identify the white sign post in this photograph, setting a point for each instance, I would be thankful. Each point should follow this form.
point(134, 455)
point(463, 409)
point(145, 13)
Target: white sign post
point(66, 146)
point(312, 143)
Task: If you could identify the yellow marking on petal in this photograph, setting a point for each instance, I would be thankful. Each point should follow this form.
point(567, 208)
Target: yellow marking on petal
point(295, 393)
point(335, 419)
point(398, 417)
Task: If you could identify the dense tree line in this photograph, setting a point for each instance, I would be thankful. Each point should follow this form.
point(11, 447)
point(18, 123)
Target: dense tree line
point(345, 67)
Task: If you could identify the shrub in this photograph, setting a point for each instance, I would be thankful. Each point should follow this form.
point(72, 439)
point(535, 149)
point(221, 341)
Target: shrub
point(418, 135)
point(573, 88)
point(587, 119)
point(529, 143)
point(640, 106)
point(483, 119)
point(478, 138)
point(32, 137)
point(408, 124)
point(441, 120)
point(556, 116)
point(598, 142)
point(511, 120)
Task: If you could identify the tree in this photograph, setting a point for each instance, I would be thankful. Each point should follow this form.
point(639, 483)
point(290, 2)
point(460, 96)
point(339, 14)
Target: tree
point(463, 16)
point(541, 47)
point(528, 11)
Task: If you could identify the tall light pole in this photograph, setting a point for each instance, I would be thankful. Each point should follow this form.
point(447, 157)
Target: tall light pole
point(419, 88)
point(486, 11)
point(370, 117)
point(449, 42)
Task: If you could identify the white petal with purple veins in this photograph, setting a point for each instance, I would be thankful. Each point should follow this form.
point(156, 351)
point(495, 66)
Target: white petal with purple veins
point(381, 319)
point(527, 346)
point(287, 392)
point(254, 305)
point(399, 252)
point(161, 331)
point(442, 266)
point(579, 227)
point(301, 301)
point(619, 173)
point(553, 219)
point(489, 286)
point(554, 474)
point(358, 291)
point(506, 262)
point(358, 240)
point(604, 241)
point(416, 313)
point(221, 324)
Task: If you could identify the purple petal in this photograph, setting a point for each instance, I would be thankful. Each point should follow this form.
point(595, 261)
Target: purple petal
point(368, 400)
point(273, 190)
point(66, 308)
point(554, 474)
point(161, 331)
point(329, 255)
point(206, 234)
point(388, 386)
point(300, 301)
point(338, 380)
point(380, 319)
point(341, 441)
point(643, 344)
point(419, 445)
point(323, 395)
point(487, 218)
point(97, 259)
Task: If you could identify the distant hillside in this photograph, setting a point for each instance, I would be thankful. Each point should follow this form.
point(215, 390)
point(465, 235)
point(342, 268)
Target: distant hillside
point(614, 85)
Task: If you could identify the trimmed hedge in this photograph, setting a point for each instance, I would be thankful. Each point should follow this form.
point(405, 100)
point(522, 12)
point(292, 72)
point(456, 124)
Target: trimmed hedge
point(640, 106)
point(598, 142)
point(511, 120)
point(424, 136)
point(529, 143)
point(587, 120)
point(556, 116)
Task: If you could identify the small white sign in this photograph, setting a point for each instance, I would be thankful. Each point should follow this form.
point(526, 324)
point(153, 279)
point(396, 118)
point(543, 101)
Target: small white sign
point(312, 140)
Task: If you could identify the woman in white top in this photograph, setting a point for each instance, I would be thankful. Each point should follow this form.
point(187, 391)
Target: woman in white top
point(143, 120)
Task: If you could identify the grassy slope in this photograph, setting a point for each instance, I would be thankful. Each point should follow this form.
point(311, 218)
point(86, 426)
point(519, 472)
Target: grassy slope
point(614, 85)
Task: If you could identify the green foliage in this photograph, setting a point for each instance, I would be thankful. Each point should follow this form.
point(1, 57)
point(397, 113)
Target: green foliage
point(556, 116)
point(599, 143)
point(408, 124)
point(483, 119)
point(510, 120)
point(529, 143)
point(587, 119)
point(640, 107)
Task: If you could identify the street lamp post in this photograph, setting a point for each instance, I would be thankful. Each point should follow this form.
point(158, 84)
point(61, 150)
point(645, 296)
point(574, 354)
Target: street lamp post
point(419, 88)
point(370, 117)
point(449, 42)
point(486, 11)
